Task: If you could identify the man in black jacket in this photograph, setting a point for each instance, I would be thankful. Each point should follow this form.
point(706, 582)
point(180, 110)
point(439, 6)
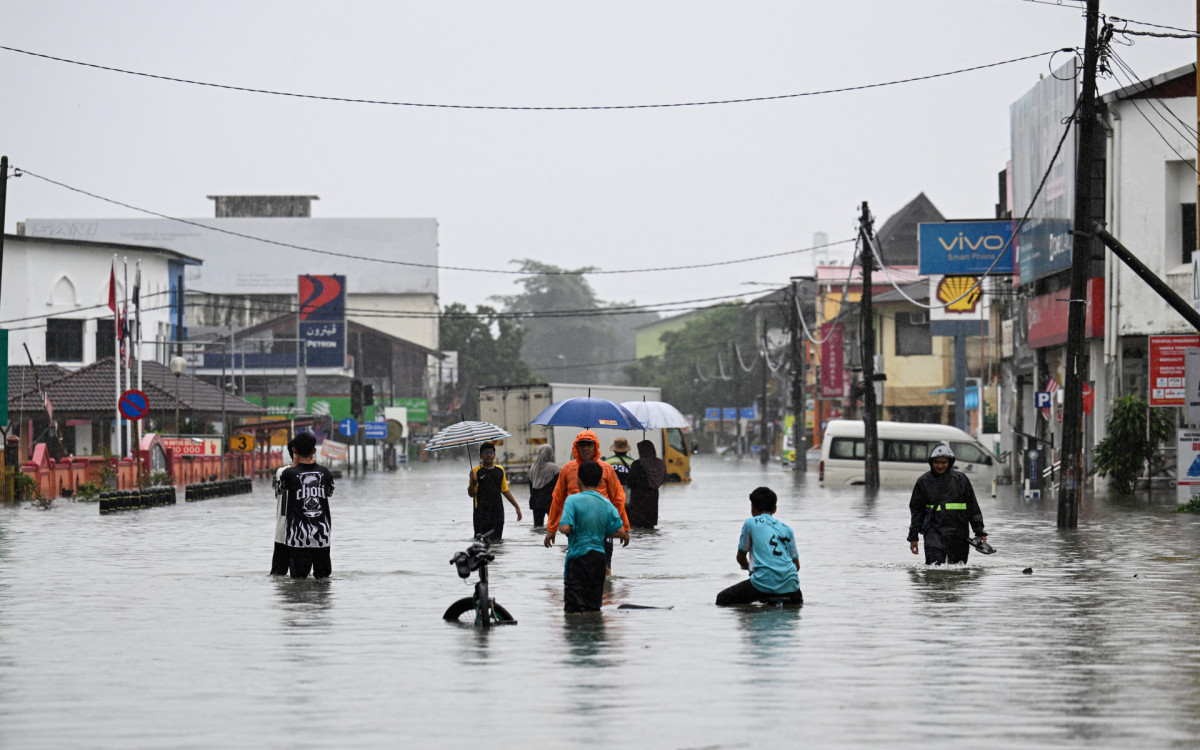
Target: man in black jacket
point(942, 507)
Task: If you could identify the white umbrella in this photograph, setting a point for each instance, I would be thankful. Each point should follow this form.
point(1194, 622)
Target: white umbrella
point(656, 415)
point(465, 433)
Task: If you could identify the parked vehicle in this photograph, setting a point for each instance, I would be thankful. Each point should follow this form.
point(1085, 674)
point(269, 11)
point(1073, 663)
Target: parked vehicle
point(904, 449)
point(514, 406)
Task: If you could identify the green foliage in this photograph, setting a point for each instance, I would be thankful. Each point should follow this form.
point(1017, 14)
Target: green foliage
point(688, 371)
point(1127, 447)
point(580, 343)
point(483, 358)
point(88, 492)
point(161, 478)
point(1192, 506)
point(24, 486)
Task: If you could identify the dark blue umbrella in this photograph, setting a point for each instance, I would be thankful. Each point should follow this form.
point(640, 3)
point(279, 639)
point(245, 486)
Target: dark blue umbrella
point(591, 413)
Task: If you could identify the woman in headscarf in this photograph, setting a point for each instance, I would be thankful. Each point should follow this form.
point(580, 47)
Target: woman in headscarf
point(647, 474)
point(542, 478)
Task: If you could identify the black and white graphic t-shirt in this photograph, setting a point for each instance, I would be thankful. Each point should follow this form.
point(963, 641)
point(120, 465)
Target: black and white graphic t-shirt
point(308, 488)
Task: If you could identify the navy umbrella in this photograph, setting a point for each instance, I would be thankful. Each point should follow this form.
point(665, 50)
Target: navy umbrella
point(590, 413)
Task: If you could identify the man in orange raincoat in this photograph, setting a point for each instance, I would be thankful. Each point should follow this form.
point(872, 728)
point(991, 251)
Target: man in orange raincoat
point(586, 448)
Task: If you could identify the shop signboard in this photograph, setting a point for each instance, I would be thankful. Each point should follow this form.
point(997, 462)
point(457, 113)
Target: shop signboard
point(1168, 369)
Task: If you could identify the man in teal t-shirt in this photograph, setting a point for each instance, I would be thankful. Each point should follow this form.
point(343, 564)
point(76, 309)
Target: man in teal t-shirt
point(588, 518)
point(766, 548)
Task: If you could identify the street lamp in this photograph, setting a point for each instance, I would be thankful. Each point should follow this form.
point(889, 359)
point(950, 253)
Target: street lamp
point(178, 366)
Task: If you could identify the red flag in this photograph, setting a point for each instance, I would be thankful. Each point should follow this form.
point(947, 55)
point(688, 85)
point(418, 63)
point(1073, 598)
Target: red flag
point(1089, 398)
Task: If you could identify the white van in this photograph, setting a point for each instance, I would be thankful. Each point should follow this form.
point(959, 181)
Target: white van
point(904, 449)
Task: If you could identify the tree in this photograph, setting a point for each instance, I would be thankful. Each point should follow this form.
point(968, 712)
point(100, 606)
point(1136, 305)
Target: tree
point(483, 358)
point(568, 336)
point(1135, 431)
point(699, 368)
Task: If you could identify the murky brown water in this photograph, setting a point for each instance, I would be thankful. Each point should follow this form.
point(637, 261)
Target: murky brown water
point(160, 628)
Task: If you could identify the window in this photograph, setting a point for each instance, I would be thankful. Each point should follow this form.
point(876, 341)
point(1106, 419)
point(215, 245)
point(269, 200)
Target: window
point(851, 448)
point(969, 453)
point(104, 338)
point(907, 451)
point(913, 338)
point(1188, 231)
point(64, 340)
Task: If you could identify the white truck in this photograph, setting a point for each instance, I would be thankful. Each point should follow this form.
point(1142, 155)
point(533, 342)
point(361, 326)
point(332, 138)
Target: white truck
point(514, 406)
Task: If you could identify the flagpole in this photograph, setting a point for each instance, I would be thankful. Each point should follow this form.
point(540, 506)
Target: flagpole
point(125, 357)
point(137, 351)
point(112, 303)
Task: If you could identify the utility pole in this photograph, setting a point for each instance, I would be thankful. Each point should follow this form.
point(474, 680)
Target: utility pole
point(867, 328)
point(1071, 485)
point(800, 465)
point(3, 202)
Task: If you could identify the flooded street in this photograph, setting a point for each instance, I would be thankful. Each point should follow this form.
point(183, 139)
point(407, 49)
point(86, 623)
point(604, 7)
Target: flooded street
point(161, 628)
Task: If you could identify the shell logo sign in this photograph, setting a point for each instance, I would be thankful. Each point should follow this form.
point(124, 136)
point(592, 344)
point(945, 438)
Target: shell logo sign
point(960, 294)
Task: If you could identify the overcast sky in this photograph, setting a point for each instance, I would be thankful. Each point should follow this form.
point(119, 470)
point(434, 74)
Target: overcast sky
point(616, 189)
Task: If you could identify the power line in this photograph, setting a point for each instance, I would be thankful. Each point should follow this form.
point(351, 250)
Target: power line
point(1154, 127)
point(1147, 23)
point(348, 100)
point(435, 266)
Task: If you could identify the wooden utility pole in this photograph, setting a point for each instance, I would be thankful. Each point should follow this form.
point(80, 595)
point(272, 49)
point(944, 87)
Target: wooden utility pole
point(1071, 486)
point(799, 403)
point(867, 328)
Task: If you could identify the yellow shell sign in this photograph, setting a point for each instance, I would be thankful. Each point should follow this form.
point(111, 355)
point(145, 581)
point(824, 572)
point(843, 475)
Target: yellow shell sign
point(960, 294)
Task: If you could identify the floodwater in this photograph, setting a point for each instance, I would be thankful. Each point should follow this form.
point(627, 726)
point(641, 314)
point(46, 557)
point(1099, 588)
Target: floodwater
point(160, 628)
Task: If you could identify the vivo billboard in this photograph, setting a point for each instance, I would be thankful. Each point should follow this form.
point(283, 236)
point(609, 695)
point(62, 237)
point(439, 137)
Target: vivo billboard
point(965, 248)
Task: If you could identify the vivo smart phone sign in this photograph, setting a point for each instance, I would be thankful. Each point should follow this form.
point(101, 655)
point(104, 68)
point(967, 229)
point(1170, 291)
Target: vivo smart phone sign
point(322, 320)
point(966, 248)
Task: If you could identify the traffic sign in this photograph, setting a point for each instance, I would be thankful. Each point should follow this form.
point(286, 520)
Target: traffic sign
point(1041, 400)
point(242, 443)
point(375, 430)
point(133, 404)
point(348, 427)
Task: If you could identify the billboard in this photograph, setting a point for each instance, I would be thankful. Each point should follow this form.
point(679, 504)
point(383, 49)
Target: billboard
point(1168, 369)
point(965, 248)
point(322, 320)
point(833, 362)
point(1036, 124)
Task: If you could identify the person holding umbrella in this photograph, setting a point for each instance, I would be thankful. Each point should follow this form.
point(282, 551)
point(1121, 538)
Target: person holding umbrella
point(487, 484)
point(587, 448)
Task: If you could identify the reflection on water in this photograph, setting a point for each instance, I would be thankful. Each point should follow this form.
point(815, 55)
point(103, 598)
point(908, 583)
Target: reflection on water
point(945, 584)
point(1096, 648)
point(305, 601)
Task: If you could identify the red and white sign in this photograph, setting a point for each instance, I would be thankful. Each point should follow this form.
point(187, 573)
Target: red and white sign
point(197, 446)
point(332, 450)
point(833, 368)
point(1168, 369)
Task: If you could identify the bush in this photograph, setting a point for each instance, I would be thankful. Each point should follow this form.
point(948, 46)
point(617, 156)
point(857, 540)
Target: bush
point(1192, 506)
point(88, 492)
point(24, 487)
point(1131, 441)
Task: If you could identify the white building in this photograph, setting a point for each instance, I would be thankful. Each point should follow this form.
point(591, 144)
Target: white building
point(256, 247)
point(1151, 208)
point(55, 295)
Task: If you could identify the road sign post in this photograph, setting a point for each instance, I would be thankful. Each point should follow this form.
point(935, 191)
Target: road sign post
point(348, 427)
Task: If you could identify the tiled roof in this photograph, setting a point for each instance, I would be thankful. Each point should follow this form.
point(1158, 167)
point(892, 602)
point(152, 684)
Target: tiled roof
point(21, 380)
point(92, 391)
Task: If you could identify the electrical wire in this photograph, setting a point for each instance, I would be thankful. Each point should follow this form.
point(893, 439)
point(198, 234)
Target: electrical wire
point(1016, 230)
point(1147, 23)
point(435, 266)
point(1189, 137)
point(348, 100)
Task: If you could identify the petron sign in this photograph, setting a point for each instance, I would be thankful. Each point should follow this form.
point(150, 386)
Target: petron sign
point(965, 248)
point(322, 320)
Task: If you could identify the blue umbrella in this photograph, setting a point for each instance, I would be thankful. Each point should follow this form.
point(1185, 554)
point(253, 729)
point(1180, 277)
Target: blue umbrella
point(590, 413)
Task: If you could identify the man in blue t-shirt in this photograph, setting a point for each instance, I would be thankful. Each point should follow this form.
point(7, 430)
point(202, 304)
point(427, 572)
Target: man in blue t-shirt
point(766, 548)
point(588, 518)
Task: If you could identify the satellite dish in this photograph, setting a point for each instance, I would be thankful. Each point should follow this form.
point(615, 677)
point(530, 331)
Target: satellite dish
point(395, 431)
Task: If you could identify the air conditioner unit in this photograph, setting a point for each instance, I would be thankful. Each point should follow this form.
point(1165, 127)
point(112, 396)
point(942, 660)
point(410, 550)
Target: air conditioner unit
point(918, 318)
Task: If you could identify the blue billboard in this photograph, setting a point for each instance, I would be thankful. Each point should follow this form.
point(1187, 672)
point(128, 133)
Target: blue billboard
point(322, 320)
point(966, 248)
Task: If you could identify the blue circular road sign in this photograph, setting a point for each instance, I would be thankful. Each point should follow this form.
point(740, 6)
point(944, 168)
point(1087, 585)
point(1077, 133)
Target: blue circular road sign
point(133, 404)
point(348, 427)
